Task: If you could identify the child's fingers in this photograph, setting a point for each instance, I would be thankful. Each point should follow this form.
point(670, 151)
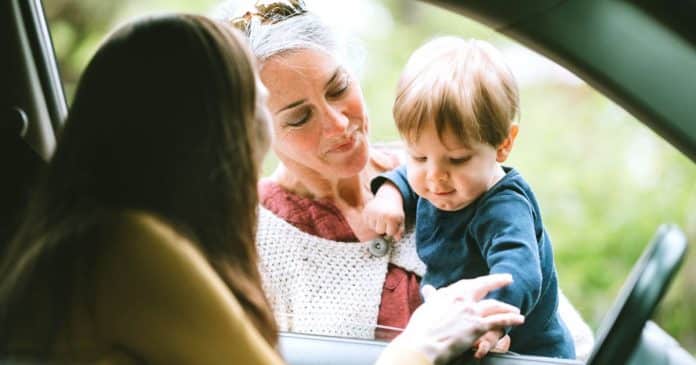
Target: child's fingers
point(398, 235)
point(370, 217)
point(381, 227)
point(482, 349)
point(393, 228)
point(400, 232)
point(372, 221)
point(390, 229)
point(503, 345)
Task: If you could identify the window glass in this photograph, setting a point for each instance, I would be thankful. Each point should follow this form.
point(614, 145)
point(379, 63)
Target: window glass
point(604, 181)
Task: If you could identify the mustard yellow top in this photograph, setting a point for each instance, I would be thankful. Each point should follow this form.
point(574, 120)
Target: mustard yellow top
point(162, 301)
point(158, 300)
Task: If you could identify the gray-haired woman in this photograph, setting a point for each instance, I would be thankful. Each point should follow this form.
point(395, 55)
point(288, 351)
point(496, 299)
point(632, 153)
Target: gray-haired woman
point(324, 270)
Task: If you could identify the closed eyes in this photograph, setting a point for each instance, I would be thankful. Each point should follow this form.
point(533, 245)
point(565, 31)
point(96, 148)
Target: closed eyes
point(340, 88)
point(452, 160)
point(459, 160)
point(300, 119)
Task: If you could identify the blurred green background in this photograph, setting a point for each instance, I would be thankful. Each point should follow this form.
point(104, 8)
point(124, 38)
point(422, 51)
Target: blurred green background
point(604, 181)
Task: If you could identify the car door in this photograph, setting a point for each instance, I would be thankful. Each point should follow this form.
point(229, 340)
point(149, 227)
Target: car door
point(32, 104)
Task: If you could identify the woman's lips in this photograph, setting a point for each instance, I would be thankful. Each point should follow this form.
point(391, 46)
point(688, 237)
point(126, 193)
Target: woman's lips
point(343, 146)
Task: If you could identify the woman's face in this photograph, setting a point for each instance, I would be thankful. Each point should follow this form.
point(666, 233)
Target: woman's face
point(319, 119)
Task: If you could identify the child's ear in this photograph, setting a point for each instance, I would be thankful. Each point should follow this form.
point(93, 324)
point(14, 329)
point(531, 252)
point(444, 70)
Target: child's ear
point(505, 147)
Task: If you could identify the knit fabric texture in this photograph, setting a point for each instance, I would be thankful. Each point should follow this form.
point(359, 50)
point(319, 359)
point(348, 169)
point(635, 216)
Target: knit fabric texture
point(320, 286)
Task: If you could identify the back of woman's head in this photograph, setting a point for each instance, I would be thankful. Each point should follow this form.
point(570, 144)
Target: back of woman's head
point(164, 120)
point(164, 117)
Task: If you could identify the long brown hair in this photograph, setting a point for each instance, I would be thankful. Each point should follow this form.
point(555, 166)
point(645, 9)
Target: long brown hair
point(164, 120)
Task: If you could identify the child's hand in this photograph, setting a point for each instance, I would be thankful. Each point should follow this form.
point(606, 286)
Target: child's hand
point(487, 342)
point(385, 213)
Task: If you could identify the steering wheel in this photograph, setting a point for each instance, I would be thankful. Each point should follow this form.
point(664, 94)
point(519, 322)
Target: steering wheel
point(650, 277)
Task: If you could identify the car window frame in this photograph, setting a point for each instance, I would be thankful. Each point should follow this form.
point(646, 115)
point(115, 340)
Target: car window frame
point(41, 49)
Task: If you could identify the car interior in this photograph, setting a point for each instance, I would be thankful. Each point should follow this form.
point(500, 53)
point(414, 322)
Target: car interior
point(33, 105)
point(641, 293)
point(588, 37)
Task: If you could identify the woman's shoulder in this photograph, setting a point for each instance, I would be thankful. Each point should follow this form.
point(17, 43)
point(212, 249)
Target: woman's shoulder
point(153, 282)
point(135, 232)
point(136, 222)
point(143, 243)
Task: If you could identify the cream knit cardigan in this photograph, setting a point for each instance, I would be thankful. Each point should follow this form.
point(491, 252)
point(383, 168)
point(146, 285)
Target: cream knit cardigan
point(325, 287)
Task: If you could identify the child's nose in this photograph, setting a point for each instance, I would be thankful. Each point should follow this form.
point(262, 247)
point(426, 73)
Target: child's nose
point(437, 173)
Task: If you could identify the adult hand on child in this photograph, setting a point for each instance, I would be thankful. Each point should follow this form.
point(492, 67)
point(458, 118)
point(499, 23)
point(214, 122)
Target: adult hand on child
point(385, 213)
point(454, 317)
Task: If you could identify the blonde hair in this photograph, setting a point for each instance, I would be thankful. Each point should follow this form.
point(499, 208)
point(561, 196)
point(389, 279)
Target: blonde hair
point(463, 86)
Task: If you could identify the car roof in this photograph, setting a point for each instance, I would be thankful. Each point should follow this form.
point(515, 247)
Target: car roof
point(640, 53)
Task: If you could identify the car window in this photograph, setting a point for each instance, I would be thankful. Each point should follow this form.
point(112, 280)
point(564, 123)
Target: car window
point(604, 181)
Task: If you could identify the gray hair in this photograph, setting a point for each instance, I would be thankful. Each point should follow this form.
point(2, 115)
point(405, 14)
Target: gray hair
point(300, 32)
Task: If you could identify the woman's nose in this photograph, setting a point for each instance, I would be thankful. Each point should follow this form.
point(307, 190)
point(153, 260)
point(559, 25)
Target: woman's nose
point(335, 121)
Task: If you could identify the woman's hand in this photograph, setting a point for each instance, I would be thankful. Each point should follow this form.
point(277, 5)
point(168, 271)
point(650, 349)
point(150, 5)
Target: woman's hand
point(385, 213)
point(452, 318)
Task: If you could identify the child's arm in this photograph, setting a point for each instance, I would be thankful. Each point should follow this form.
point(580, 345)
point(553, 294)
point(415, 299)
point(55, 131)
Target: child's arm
point(394, 199)
point(506, 235)
point(385, 214)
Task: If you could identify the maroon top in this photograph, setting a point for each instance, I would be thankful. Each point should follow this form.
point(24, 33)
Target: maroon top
point(400, 294)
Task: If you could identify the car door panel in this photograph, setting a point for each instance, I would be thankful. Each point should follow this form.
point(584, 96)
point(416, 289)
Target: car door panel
point(32, 105)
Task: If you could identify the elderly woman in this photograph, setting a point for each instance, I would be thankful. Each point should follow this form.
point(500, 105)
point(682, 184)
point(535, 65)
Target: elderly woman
point(324, 270)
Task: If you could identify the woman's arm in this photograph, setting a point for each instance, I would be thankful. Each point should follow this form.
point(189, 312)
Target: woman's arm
point(159, 299)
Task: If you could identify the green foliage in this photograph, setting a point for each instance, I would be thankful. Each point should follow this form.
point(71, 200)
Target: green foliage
point(604, 181)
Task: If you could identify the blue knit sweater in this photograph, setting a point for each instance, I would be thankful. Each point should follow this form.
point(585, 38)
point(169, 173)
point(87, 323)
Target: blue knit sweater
point(500, 232)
